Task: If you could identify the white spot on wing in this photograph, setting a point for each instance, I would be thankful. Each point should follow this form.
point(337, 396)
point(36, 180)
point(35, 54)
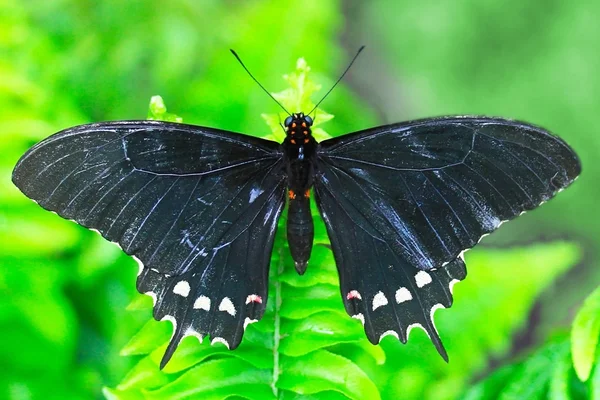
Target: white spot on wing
point(422, 278)
point(379, 300)
point(220, 340)
point(388, 333)
point(402, 295)
point(182, 288)
point(249, 321)
point(192, 332)
point(360, 317)
point(202, 303)
point(227, 305)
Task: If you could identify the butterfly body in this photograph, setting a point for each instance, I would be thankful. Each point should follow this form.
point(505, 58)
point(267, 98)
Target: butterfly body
point(198, 208)
point(300, 152)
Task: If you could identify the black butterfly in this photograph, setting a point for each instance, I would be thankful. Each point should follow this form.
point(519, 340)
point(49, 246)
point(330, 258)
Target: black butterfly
point(198, 208)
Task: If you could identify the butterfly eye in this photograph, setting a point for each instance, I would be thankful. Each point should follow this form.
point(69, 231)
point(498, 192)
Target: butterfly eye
point(288, 121)
point(308, 120)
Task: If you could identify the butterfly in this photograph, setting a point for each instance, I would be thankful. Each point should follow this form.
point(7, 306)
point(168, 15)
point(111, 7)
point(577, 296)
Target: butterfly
point(198, 208)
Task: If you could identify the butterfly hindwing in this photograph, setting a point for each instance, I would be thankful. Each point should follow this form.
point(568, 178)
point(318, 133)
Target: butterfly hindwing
point(402, 202)
point(387, 293)
point(197, 207)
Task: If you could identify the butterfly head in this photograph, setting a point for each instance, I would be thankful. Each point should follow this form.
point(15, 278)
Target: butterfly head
point(298, 128)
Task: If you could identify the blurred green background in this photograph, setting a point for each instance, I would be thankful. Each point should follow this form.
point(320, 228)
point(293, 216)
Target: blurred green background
point(64, 291)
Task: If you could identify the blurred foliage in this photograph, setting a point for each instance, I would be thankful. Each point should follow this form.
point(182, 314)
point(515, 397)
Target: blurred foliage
point(64, 291)
point(585, 335)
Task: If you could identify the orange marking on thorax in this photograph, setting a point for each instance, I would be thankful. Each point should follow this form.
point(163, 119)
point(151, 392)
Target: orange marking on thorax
point(307, 194)
point(291, 195)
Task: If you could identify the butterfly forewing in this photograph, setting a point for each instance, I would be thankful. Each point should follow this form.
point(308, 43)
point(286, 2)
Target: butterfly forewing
point(197, 207)
point(402, 202)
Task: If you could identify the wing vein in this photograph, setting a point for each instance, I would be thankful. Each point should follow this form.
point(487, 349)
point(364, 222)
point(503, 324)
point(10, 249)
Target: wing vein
point(333, 168)
point(492, 162)
point(225, 168)
point(492, 186)
point(372, 164)
point(129, 202)
point(448, 204)
point(175, 221)
point(425, 216)
point(151, 212)
point(105, 193)
point(186, 262)
point(527, 147)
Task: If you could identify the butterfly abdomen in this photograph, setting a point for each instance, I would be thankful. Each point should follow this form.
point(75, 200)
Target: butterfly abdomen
point(300, 230)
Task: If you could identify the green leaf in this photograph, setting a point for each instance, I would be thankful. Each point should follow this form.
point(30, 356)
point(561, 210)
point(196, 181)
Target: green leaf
point(115, 394)
point(143, 375)
point(218, 379)
point(319, 330)
point(530, 379)
point(322, 371)
point(491, 386)
point(316, 298)
point(559, 381)
point(584, 335)
point(490, 289)
point(151, 335)
point(190, 352)
point(595, 381)
point(140, 302)
point(158, 111)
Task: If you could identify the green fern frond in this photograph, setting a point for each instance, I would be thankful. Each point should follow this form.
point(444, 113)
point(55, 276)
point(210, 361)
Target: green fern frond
point(564, 368)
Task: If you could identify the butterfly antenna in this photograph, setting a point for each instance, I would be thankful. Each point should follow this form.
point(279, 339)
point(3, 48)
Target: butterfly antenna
point(339, 79)
point(257, 82)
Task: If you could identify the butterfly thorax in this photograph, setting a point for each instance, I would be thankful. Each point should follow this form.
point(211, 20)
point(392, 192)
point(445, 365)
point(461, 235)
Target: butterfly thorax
point(300, 149)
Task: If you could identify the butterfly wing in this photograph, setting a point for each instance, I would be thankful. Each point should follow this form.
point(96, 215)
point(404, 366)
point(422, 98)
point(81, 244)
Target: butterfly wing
point(197, 207)
point(403, 202)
